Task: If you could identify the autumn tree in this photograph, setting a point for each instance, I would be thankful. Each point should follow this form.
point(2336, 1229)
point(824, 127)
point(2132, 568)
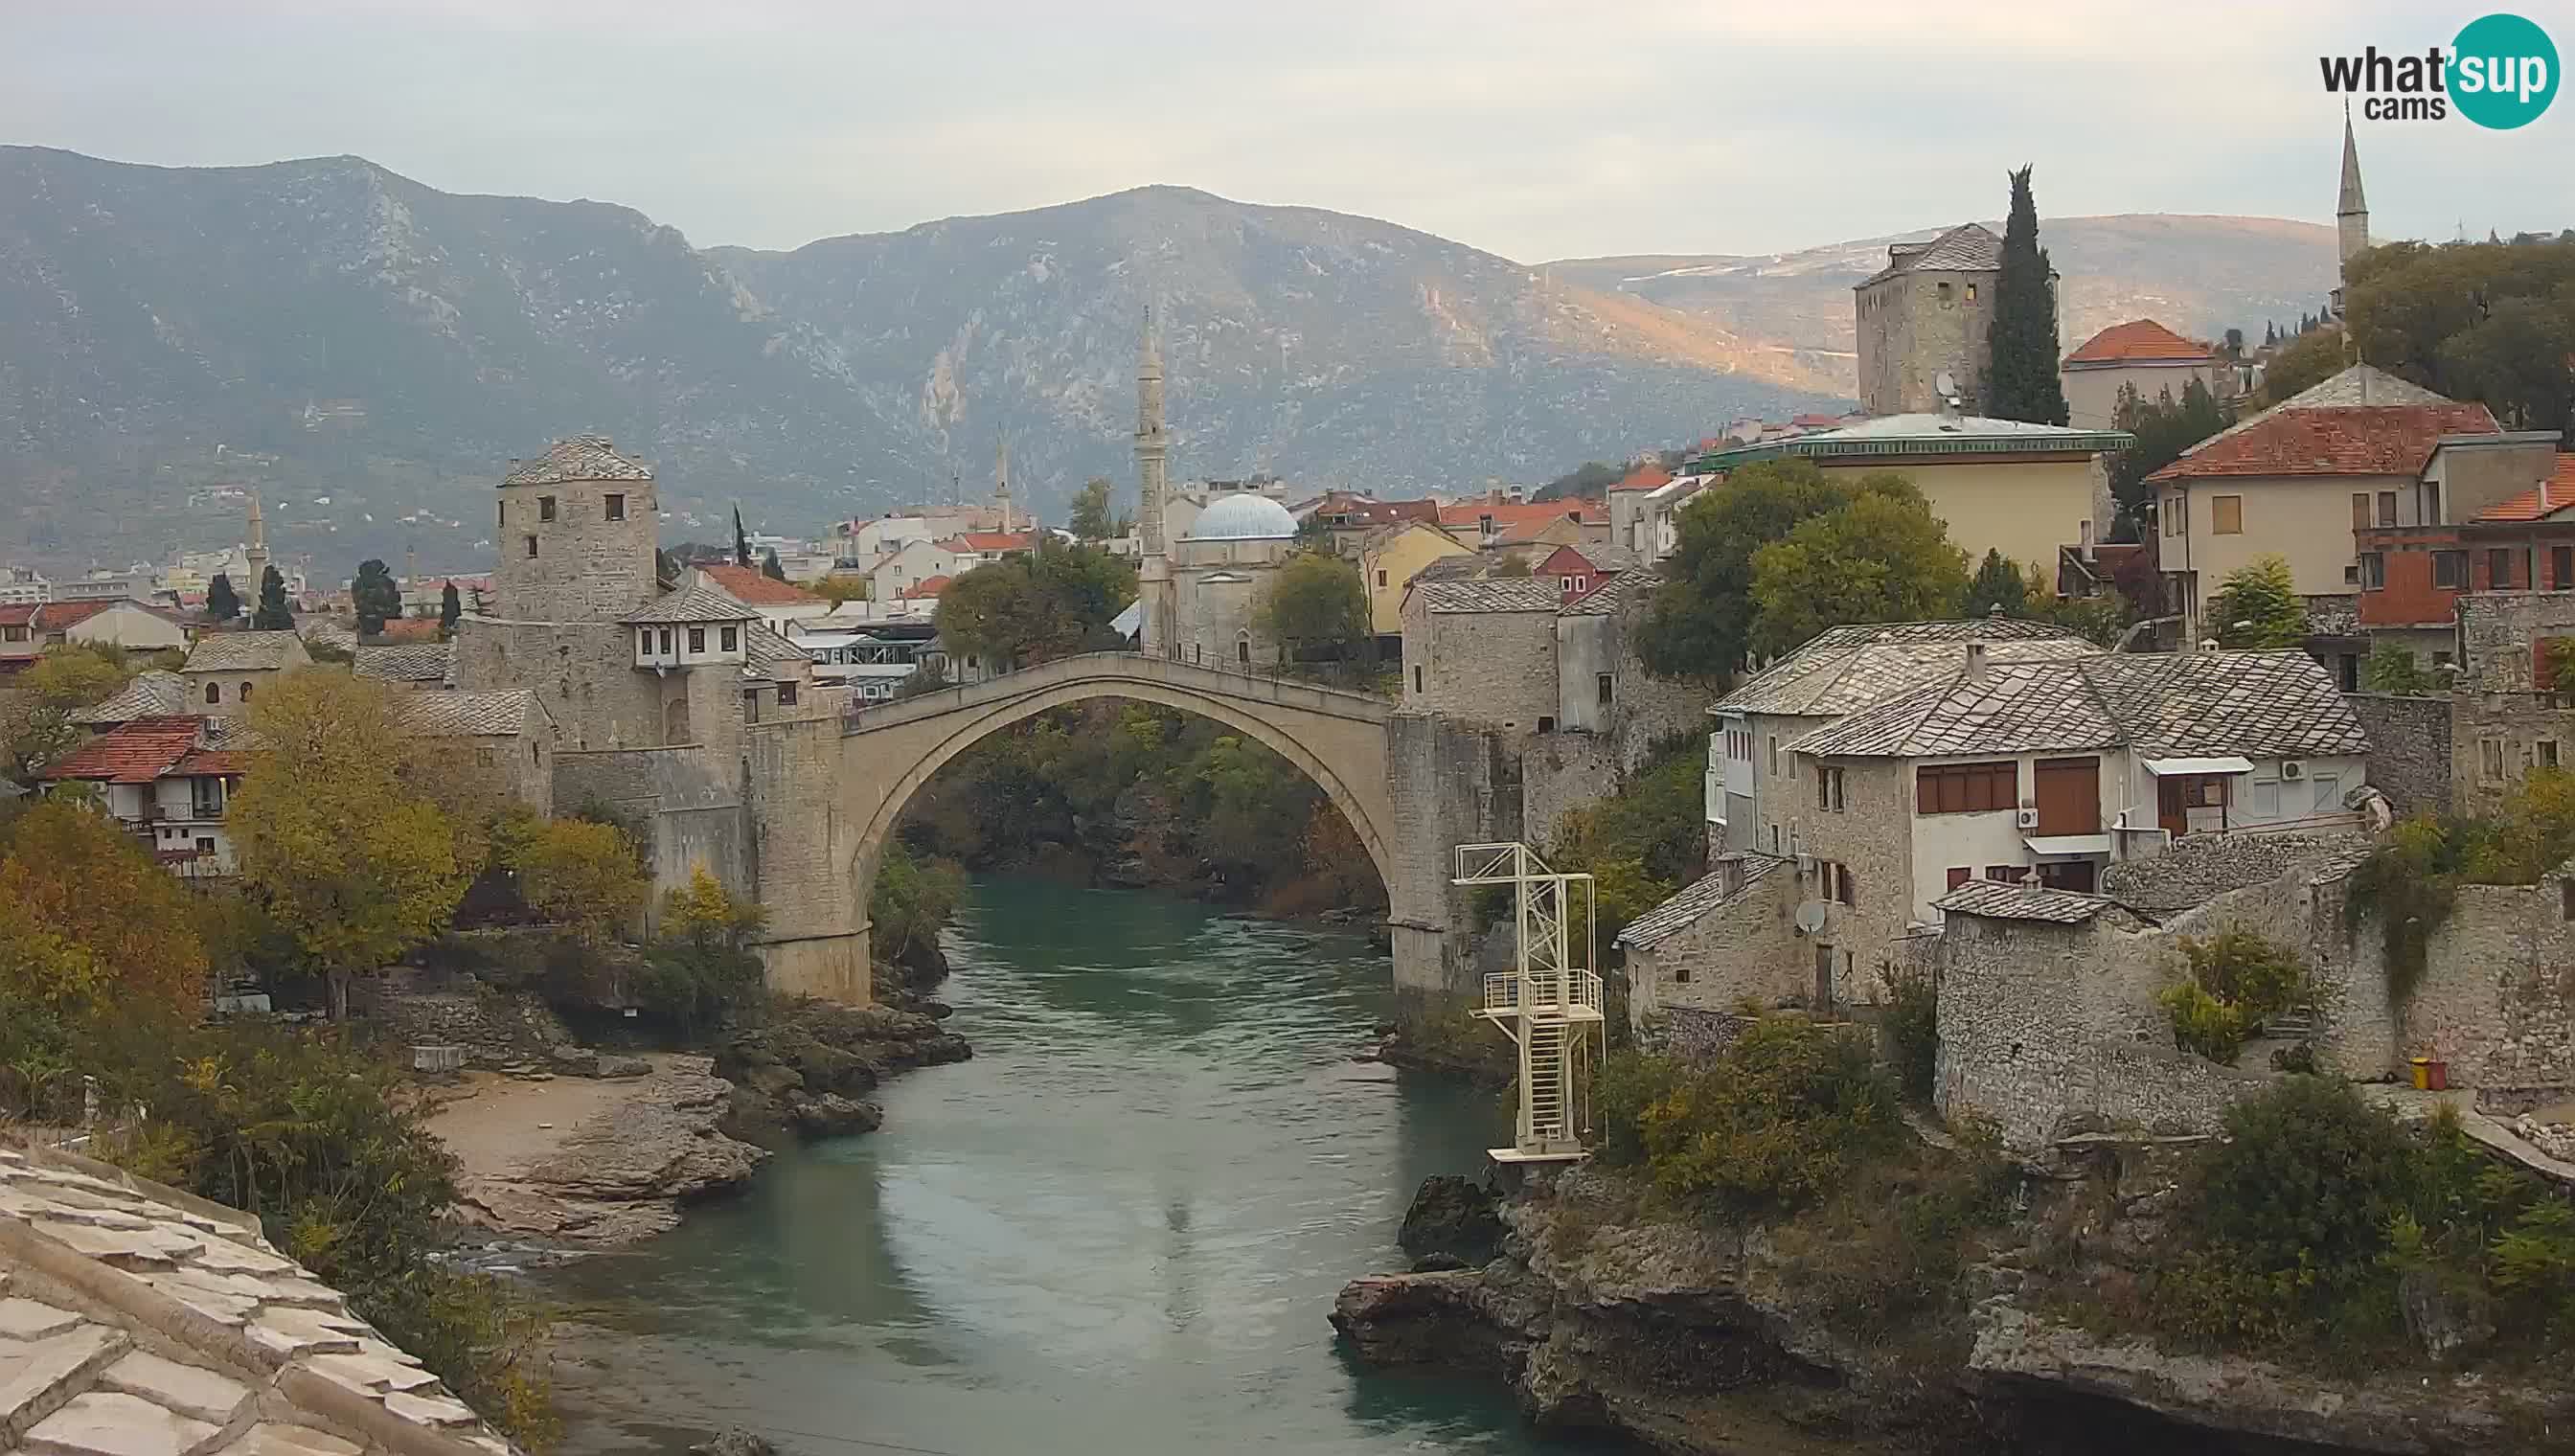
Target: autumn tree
point(1315, 606)
point(77, 674)
point(1090, 518)
point(1882, 558)
point(2022, 381)
point(2258, 607)
point(223, 604)
point(840, 588)
point(89, 920)
point(347, 852)
point(581, 874)
point(272, 614)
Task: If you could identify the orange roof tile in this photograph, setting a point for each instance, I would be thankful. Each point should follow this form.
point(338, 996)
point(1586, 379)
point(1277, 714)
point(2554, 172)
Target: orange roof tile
point(982, 540)
point(212, 762)
point(131, 753)
point(1518, 514)
point(753, 587)
point(2346, 440)
point(2137, 341)
point(1648, 477)
point(409, 629)
point(20, 614)
point(58, 616)
point(927, 587)
point(2541, 500)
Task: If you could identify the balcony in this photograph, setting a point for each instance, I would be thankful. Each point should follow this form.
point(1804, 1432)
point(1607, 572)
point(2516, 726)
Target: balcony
point(1510, 995)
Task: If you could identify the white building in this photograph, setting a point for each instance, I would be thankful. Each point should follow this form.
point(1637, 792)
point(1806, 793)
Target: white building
point(166, 782)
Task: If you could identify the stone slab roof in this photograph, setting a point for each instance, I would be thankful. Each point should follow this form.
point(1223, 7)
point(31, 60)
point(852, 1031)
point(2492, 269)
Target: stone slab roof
point(152, 693)
point(467, 715)
point(2200, 868)
point(1695, 899)
point(1966, 248)
point(405, 661)
point(578, 458)
point(2011, 707)
point(1614, 593)
point(136, 1320)
point(1999, 901)
point(692, 605)
point(1490, 593)
point(1846, 668)
point(764, 654)
point(236, 651)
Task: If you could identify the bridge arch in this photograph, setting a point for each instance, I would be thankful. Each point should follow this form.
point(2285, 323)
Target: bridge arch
point(1339, 739)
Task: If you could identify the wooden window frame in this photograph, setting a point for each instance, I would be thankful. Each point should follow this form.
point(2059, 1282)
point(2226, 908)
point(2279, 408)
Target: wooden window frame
point(2226, 514)
point(1987, 786)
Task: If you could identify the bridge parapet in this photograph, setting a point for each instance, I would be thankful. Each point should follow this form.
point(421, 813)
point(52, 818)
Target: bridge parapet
point(1248, 687)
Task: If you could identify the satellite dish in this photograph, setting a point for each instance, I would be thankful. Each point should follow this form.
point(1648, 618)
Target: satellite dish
point(1946, 383)
point(1811, 918)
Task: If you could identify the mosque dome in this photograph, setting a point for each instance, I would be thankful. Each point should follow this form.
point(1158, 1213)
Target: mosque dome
point(1244, 517)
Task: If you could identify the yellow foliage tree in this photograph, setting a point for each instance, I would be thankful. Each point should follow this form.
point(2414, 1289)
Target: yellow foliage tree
point(579, 872)
point(840, 588)
point(76, 676)
point(354, 859)
point(87, 917)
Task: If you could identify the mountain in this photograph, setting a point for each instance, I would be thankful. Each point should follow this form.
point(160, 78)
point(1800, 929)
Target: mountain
point(2201, 274)
point(369, 353)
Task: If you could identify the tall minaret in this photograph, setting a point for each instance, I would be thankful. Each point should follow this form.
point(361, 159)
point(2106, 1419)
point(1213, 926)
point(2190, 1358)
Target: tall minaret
point(255, 554)
point(1153, 454)
point(2351, 212)
point(1002, 481)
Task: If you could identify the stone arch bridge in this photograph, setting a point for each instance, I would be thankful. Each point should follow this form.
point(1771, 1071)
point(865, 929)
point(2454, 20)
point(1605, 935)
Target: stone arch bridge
point(1410, 786)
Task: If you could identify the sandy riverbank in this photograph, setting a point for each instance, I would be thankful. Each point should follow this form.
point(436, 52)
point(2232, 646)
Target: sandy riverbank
point(590, 1161)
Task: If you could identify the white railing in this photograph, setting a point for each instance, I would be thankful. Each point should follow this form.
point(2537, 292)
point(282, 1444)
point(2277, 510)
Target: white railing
point(1511, 991)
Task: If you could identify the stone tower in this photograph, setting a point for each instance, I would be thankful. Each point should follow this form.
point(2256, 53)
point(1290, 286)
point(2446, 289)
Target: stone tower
point(255, 554)
point(1002, 483)
point(1153, 488)
point(576, 530)
point(2351, 213)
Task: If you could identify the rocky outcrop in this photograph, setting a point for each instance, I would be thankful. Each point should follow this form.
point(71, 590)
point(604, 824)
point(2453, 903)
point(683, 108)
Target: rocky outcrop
point(1452, 1224)
point(807, 1069)
point(624, 1174)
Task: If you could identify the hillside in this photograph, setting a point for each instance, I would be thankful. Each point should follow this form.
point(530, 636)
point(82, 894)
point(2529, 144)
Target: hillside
point(368, 352)
point(2197, 274)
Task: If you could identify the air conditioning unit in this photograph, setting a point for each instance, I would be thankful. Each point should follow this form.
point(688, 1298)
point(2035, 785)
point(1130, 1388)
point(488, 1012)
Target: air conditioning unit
point(2028, 818)
point(1805, 865)
point(2292, 768)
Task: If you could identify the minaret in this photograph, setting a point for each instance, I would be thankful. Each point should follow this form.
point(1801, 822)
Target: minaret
point(1001, 484)
point(2351, 212)
point(255, 554)
point(1153, 454)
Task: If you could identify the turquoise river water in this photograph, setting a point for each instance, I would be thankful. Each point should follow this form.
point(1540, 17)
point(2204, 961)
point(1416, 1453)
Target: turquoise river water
point(1118, 1228)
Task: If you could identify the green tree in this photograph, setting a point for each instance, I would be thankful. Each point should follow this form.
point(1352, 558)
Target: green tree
point(2258, 607)
point(2164, 429)
point(581, 874)
point(77, 674)
point(374, 595)
point(1998, 585)
point(911, 900)
point(1090, 518)
point(2516, 360)
point(1049, 602)
point(451, 610)
point(2308, 360)
point(1882, 558)
point(1315, 606)
point(840, 588)
point(701, 967)
point(334, 832)
point(2392, 669)
point(222, 602)
point(2022, 381)
point(272, 614)
point(1588, 480)
point(740, 540)
point(2475, 321)
point(1699, 622)
point(770, 568)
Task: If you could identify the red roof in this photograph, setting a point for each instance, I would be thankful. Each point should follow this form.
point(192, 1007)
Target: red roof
point(2541, 500)
point(2137, 341)
point(925, 588)
point(1816, 422)
point(1648, 477)
point(409, 629)
point(2334, 440)
point(20, 614)
point(61, 615)
point(212, 762)
point(1510, 515)
point(992, 541)
point(131, 753)
point(752, 586)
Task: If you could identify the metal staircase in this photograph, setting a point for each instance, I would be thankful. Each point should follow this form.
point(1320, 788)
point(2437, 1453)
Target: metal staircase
point(1550, 1002)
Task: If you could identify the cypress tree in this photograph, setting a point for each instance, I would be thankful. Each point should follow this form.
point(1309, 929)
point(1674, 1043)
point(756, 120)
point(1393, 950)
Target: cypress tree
point(272, 614)
point(223, 604)
point(450, 608)
point(2021, 382)
point(769, 568)
point(740, 540)
point(374, 595)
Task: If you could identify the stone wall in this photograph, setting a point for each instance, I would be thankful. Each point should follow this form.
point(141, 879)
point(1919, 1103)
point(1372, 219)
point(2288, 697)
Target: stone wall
point(2500, 980)
point(584, 673)
point(410, 1008)
point(1494, 668)
point(1742, 948)
point(1872, 836)
point(2409, 748)
point(1560, 772)
point(586, 567)
point(1461, 782)
point(690, 813)
point(816, 939)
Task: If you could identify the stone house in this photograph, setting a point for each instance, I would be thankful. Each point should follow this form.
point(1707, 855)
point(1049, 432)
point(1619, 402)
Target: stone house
point(407, 667)
point(507, 736)
point(2140, 355)
point(1391, 557)
point(153, 694)
point(225, 669)
point(2509, 714)
point(1645, 511)
point(1483, 650)
point(2352, 449)
point(1926, 313)
point(165, 781)
point(2000, 484)
point(1602, 688)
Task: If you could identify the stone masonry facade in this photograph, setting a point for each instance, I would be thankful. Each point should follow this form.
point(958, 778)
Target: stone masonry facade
point(2409, 748)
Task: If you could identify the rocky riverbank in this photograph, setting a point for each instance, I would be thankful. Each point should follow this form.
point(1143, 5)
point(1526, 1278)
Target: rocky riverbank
point(1699, 1338)
point(806, 1069)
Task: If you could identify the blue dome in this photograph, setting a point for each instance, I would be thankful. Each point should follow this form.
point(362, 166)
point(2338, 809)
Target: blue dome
point(1244, 517)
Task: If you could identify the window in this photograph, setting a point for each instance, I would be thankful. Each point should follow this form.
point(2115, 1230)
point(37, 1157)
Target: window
point(2561, 567)
point(2441, 659)
point(544, 508)
point(2226, 514)
point(15, 634)
point(751, 707)
point(1380, 579)
point(2351, 575)
point(2543, 754)
point(2387, 508)
point(2266, 799)
point(1564, 585)
point(1605, 686)
point(1242, 649)
point(1545, 723)
point(2450, 569)
point(1828, 789)
point(2328, 791)
point(2373, 572)
point(2004, 873)
point(206, 798)
point(2360, 511)
point(616, 505)
point(505, 512)
point(1947, 789)
point(214, 693)
point(1417, 677)
point(787, 695)
point(643, 641)
point(696, 638)
point(532, 548)
point(1845, 888)
point(731, 638)
point(1774, 839)
point(666, 648)
point(244, 694)
point(2490, 761)
point(205, 844)
point(1944, 290)
point(2432, 502)
point(1959, 874)
point(1774, 755)
point(483, 758)
point(1971, 293)
point(2500, 570)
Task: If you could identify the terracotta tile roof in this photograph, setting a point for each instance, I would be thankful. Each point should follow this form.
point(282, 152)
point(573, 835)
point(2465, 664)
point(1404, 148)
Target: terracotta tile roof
point(1612, 594)
point(579, 457)
point(409, 629)
point(1518, 514)
point(2137, 341)
point(57, 615)
point(1646, 476)
point(752, 586)
point(924, 589)
point(1966, 248)
point(2540, 502)
point(992, 541)
point(131, 753)
point(2342, 440)
point(1695, 899)
point(20, 614)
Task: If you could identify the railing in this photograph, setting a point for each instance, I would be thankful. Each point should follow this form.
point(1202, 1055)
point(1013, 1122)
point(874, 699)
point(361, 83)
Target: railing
point(1509, 992)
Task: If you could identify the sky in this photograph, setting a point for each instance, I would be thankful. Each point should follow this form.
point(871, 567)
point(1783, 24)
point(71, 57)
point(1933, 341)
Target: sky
point(1536, 130)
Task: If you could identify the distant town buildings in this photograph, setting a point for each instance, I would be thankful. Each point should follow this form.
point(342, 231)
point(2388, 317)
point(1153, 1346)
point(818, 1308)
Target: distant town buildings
point(2140, 356)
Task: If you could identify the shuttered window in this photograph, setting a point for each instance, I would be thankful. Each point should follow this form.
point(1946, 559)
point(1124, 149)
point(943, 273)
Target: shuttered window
point(1948, 788)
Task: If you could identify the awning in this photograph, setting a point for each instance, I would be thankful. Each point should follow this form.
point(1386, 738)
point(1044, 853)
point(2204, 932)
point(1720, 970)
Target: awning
point(2166, 768)
point(1130, 621)
point(2061, 845)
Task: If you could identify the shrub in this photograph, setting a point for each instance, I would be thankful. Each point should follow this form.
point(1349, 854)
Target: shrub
point(1773, 1123)
point(701, 970)
point(1913, 1027)
point(2237, 981)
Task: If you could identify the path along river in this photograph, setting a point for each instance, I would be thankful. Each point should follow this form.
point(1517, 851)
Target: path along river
point(1118, 1229)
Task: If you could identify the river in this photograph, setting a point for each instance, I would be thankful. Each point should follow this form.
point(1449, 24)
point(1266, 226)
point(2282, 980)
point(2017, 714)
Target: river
point(1116, 1229)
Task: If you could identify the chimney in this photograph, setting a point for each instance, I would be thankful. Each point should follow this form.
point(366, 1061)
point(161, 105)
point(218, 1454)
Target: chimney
point(1729, 874)
point(1976, 661)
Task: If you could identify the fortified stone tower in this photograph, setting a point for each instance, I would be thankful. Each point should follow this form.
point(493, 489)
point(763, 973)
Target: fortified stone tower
point(1152, 461)
point(577, 532)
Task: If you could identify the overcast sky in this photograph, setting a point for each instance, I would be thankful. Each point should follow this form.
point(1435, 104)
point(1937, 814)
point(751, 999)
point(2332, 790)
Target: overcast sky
point(1539, 131)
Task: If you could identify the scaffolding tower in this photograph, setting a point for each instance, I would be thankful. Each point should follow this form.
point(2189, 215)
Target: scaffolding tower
point(1549, 1002)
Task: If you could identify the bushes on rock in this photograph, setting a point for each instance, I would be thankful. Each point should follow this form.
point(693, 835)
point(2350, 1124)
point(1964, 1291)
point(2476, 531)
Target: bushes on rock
point(2236, 982)
point(1912, 1029)
point(2411, 881)
point(702, 968)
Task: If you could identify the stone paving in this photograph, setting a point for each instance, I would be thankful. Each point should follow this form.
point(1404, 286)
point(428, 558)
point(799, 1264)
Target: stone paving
point(136, 1320)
